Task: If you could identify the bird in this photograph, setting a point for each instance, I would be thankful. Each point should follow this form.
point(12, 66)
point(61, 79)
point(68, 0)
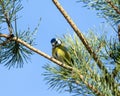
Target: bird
point(60, 52)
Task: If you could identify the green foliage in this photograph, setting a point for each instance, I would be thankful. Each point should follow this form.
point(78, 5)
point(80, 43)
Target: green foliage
point(114, 51)
point(14, 54)
point(62, 79)
point(108, 52)
point(9, 7)
point(104, 10)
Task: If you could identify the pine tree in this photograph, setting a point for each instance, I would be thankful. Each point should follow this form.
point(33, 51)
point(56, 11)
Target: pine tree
point(96, 60)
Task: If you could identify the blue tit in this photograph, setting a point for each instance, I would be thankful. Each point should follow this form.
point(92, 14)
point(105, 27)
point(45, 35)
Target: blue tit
point(60, 52)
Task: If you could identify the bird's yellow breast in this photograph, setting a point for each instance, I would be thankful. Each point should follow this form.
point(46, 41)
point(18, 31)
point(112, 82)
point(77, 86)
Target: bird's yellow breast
point(57, 52)
point(60, 53)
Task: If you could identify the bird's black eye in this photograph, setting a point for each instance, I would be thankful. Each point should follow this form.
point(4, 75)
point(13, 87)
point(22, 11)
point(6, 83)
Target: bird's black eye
point(53, 40)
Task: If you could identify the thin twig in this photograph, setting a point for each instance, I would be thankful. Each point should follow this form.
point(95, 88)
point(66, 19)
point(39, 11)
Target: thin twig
point(4, 43)
point(113, 6)
point(91, 87)
point(8, 39)
point(110, 23)
point(6, 16)
point(119, 32)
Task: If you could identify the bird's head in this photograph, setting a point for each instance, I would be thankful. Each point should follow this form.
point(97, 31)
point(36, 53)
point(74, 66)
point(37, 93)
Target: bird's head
point(55, 42)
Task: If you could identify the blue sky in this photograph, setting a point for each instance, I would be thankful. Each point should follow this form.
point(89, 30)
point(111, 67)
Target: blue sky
point(28, 81)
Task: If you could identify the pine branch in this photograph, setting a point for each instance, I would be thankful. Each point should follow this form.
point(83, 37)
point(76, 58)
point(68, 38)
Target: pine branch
point(91, 87)
point(36, 51)
point(55, 61)
point(105, 8)
point(113, 6)
point(81, 36)
point(6, 16)
point(89, 49)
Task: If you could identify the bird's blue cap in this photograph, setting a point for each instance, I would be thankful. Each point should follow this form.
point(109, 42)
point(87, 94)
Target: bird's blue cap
point(53, 40)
